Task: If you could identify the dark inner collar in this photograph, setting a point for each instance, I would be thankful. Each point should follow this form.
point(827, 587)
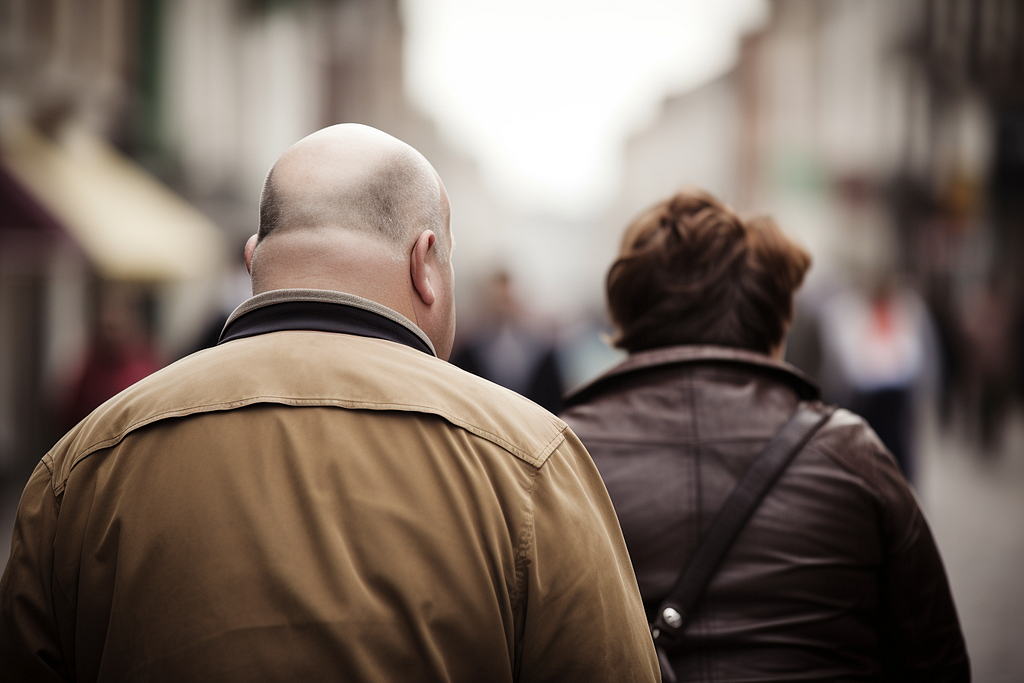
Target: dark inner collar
point(320, 316)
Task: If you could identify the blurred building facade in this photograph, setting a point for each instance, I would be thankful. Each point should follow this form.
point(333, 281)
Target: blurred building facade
point(79, 218)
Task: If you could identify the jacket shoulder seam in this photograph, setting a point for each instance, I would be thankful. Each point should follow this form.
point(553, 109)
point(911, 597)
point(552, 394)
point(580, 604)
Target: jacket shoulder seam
point(55, 485)
point(819, 443)
point(910, 532)
point(536, 460)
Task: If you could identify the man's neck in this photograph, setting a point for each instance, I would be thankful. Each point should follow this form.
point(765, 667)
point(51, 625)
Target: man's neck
point(348, 262)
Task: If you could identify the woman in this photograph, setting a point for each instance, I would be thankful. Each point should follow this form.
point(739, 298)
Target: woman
point(835, 576)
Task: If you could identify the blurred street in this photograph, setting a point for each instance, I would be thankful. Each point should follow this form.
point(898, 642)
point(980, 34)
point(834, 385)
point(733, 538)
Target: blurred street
point(976, 510)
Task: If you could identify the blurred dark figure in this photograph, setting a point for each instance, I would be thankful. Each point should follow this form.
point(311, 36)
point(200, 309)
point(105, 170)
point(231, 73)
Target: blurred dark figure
point(120, 354)
point(508, 352)
point(836, 575)
point(991, 366)
point(235, 289)
point(951, 347)
point(881, 353)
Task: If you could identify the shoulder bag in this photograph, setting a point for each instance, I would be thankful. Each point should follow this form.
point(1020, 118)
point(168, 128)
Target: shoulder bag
point(675, 611)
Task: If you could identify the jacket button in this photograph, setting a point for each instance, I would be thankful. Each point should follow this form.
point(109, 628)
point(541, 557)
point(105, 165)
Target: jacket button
point(672, 617)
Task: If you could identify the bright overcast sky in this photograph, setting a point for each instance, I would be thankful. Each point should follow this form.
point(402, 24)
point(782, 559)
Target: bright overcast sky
point(544, 92)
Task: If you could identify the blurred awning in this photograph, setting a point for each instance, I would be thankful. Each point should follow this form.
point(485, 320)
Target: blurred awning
point(130, 225)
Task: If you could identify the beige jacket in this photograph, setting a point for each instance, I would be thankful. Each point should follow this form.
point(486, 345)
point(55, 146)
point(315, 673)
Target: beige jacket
point(303, 505)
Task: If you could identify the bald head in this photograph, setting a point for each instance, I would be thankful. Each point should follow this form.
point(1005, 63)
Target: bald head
point(355, 178)
point(354, 210)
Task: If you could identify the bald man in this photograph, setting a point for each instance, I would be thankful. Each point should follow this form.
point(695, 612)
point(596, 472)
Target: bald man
point(321, 496)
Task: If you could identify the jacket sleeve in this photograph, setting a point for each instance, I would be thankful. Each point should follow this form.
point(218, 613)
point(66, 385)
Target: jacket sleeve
point(584, 617)
point(30, 647)
point(920, 632)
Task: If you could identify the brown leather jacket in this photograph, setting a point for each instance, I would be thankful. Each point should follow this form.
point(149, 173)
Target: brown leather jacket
point(304, 504)
point(835, 577)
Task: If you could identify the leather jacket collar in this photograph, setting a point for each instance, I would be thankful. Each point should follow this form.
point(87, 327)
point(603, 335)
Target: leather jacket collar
point(643, 361)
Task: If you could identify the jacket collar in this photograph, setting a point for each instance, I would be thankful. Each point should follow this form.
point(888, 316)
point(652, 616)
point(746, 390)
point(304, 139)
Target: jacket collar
point(322, 310)
point(641, 361)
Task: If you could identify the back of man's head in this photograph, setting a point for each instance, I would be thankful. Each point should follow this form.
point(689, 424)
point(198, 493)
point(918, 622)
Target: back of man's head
point(344, 209)
point(353, 177)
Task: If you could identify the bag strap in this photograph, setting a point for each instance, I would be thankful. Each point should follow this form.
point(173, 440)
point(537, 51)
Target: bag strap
point(675, 611)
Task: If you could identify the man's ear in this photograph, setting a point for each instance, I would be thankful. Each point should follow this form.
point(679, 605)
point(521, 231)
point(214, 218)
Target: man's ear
point(250, 247)
point(419, 267)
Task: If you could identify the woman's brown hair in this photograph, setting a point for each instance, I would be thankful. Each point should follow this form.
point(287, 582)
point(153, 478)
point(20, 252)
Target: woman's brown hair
point(690, 271)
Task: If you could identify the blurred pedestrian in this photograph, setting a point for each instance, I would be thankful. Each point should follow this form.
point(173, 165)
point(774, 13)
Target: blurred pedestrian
point(120, 353)
point(881, 360)
point(834, 575)
point(507, 350)
point(988, 324)
point(321, 496)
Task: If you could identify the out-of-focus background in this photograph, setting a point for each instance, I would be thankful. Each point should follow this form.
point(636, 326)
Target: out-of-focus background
point(887, 137)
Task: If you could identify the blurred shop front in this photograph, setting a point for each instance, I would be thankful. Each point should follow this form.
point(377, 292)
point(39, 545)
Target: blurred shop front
point(102, 272)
